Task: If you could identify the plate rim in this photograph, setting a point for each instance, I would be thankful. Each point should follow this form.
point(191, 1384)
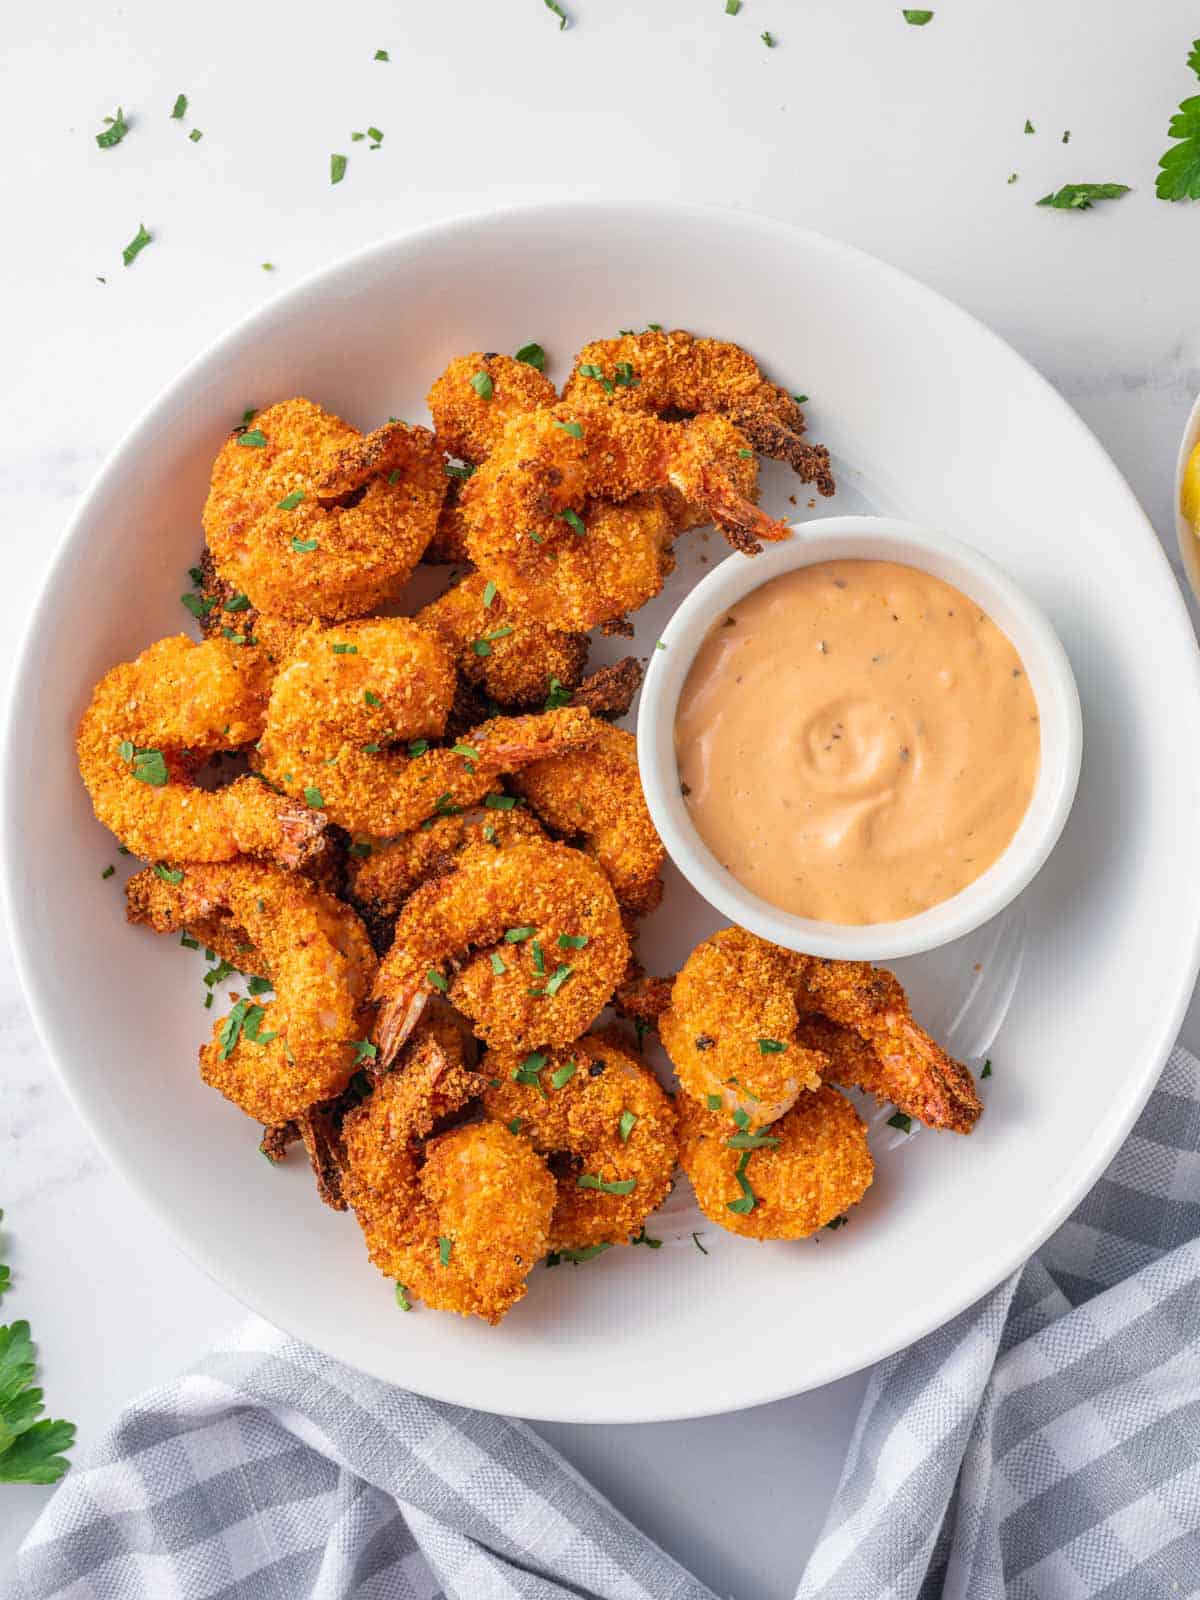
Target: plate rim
point(1092, 1160)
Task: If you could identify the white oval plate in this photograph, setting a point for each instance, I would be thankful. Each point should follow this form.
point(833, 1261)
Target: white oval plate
point(929, 416)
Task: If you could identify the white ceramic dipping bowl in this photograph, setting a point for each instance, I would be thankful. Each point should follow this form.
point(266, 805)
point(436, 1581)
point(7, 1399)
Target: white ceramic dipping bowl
point(1189, 540)
point(1050, 677)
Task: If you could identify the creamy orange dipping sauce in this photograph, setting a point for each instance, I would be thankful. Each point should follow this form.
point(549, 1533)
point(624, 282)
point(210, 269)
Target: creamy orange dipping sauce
point(857, 741)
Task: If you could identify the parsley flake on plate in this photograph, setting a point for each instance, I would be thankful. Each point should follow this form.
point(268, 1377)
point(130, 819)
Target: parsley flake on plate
point(900, 1120)
point(1082, 196)
point(337, 168)
point(533, 356)
point(179, 109)
point(136, 245)
point(115, 129)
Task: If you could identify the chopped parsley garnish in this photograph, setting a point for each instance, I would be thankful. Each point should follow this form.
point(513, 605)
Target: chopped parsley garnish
point(901, 1120)
point(483, 385)
point(434, 977)
point(768, 39)
point(575, 429)
point(402, 1299)
point(337, 168)
point(560, 976)
point(498, 966)
point(589, 1180)
point(313, 797)
point(573, 520)
point(467, 750)
point(370, 698)
point(572, 941)
point(644, 1238)
point(588, 369)
point(552, 5)
point(626, 1125)
point(1179, 169)
point(558, 696)
point(115, 129)
point(539, 958)
point(563, 1075)
point(197, 604)
point(290, 501)
point(108, 871)
point(699, 1246)
point(136, 245)
point(179, 109)
point(168, 874)
point(714, 1102)
point(483, 647)
point(458, 469)
point(732, 7)
point(377, 135)
point(527, 1072)
point(364, 1050)
point(418, 747)
point(837, 1222)
point(360, 847)
point(195, 136)
point(252, 439)
point(344, 649)
point(746, 455)
point(445, 1246)
point(304, 547)
point(149, 766)
point(382, 55)
point(1066, 138)
point(771, 1047)
point(799, 398)
point(624, 375)
point(515, 1125)
point(1082, 196)
point(489, 593)
point(258, 985)
point(1013, 176)
point(917, 19)
point(499, 802)
point(519, 935)
point(987, 1068)
point(741, 1118)
point(587, 1252)
point(750, 1141)
point(1029, 127)
point(747, 1200)
point(533, 356)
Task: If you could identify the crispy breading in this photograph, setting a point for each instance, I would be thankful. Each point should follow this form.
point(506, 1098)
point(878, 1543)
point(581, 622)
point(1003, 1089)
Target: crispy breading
point(477, 394)
point(813, 1165)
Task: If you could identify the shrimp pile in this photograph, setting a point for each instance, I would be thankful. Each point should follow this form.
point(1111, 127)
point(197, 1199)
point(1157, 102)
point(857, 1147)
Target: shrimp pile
point(411, 836)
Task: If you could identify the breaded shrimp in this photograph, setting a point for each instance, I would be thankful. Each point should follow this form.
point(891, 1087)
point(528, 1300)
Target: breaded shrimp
point(449, 543)
point(805, 1170)
point(560, 947)
point(277, 1058)
point(460, 1221)
point(495, 647)
point(603, 1114)
point(731, 1029)
point(381, 874)
point(152, 723)
point(309, 518)
point(539, 526)
point(477, 394)
point(595, 796)
point(904, 1064)
point(661, 372)
point(351, 716)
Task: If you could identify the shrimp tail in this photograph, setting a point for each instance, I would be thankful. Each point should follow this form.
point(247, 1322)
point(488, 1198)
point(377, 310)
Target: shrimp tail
point(743, 523)
point(398, 1015)
point(390, 448)
point(519, 741)
point(810, 462)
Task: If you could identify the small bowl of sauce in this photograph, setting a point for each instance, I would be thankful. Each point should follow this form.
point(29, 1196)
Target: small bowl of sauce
point(862, 743)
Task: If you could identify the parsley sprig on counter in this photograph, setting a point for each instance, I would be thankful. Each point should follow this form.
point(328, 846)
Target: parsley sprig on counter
point(1179, 168)
point(31, 1446)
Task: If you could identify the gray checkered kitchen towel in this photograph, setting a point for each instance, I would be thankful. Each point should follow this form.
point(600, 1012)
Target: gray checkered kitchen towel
point(1044, 1444)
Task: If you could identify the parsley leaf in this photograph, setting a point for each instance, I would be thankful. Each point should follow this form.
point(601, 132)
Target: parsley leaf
point(30, 1450)
point(1179, 168)
point(179, 109)
point(1080, 196)
point(115, 130)
point(917, 19)
point(900, 1120)
point(552, 5)
point(382, 55)
point(533, 356)
point(136, 245)
point(483, 385)
point(337, 168)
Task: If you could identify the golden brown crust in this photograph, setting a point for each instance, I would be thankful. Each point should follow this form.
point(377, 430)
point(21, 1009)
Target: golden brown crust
point(477, 394)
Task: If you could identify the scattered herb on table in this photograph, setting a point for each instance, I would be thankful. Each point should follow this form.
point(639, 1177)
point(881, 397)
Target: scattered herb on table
point(136, 245)
point(115, 129)
point(179, 109)
point(917, 19)
point(1179, 169)
point(337, 168)
point(1082, 196)
point(382, 55)
point(768, 39)
point(563, 19)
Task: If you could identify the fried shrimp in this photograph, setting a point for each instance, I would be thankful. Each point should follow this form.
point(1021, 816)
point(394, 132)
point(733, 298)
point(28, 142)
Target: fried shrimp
point(449, 542)
point(477, 394)
point(457, 1221)
point(278, 1058)
point(810, 1168)
point(309, 518)
point(351, 716)
point(675, 372)
point(512, 658)
point(731, 1029)
point(541, 523)
point(152, 723)
point(901, 1063)
point(381, 874)
point(605, 1122)
point(595, 796)
point(552, 947)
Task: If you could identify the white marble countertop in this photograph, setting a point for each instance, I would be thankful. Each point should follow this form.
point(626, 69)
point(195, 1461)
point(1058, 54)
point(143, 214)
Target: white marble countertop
point(899, 139)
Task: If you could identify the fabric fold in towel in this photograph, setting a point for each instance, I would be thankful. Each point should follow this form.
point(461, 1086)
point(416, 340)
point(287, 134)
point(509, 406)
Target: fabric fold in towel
point(1045, 1445)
